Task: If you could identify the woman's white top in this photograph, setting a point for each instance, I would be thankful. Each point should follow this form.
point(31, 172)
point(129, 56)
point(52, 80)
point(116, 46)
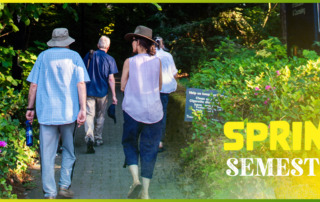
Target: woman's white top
point(142, 94)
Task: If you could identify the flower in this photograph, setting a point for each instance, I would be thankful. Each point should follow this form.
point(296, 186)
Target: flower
point(268, 87)
point(266, 102)
point(3, 144)
point(278, 73)
point(257, 88)
point(256, 94)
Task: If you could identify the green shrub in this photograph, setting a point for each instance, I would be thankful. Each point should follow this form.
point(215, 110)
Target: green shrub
point(15, 156)
point(255, 85)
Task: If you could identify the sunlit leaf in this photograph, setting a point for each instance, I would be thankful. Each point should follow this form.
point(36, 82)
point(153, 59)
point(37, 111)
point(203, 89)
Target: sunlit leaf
point(158, 6)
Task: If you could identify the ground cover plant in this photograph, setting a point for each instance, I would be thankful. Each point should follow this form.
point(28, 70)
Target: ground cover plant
point(259, 84)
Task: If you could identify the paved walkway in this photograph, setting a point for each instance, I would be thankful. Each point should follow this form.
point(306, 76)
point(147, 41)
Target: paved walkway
point(101, 175)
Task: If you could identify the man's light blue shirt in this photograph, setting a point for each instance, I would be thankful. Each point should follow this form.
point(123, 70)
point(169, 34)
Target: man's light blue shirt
point(57, 72)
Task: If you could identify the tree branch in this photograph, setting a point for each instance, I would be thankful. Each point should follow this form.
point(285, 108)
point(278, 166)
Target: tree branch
point(5, 34)
point(4, 26)
point(268, 14)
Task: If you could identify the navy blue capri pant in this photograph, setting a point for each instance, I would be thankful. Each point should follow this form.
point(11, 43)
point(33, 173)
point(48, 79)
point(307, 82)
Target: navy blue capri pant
point(150, 135)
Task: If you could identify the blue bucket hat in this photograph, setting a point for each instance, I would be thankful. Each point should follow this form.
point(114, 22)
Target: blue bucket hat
point(112, 112)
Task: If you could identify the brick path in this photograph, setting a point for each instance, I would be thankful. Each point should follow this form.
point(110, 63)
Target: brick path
point(101, 175)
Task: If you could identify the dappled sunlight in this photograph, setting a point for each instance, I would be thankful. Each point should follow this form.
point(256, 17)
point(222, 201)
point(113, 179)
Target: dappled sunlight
point(37, 166)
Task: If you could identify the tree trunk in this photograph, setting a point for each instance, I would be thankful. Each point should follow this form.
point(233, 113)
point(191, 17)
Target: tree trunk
point(283, 16)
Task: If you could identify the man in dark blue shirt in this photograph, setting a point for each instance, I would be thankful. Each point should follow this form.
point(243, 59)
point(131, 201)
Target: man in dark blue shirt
point(101, 69)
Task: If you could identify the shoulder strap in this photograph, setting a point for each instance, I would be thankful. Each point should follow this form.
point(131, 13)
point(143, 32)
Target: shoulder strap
point(90, 57)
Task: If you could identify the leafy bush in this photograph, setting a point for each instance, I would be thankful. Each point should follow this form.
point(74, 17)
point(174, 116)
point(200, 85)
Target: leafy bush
point(258, 85)
point(193, 38)
point(15, 156)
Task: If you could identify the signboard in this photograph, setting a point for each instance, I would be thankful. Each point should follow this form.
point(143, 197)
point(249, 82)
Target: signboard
point(199, 99)
point(302, 26)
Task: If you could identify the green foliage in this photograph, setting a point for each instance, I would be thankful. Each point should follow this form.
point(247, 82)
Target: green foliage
point(71, 11)
point(39, 47)
point(157, 6)
point(26, 13)
point(6, 55)
point(16, 156)
point(259, 84)
point(193, 31)
point(272, 49)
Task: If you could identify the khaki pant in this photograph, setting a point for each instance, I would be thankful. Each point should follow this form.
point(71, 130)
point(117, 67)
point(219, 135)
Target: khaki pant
point(96, 108)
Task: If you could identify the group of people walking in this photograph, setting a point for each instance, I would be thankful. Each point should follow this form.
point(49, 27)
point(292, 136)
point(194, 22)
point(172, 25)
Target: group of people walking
point(70, 91)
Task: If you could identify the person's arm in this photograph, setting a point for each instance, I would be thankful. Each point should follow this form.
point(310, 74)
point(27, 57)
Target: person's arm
point(112, 84)
point(175, 76)
point(173, 67)
point(82, 91)
point(125, 74)
point(31, 101)
point(160, 79)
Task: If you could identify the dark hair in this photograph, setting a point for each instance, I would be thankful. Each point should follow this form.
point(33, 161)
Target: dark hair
point(147, 44)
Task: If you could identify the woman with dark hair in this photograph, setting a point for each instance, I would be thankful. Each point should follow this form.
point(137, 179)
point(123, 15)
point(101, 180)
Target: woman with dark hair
point(142, 110)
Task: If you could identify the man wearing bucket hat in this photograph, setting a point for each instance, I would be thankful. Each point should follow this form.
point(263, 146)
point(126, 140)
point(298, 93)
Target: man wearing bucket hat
point(101, 69)
point(58, 87)
point(142, 110)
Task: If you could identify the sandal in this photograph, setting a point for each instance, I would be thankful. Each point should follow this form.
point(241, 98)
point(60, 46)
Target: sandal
point(134, 191)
